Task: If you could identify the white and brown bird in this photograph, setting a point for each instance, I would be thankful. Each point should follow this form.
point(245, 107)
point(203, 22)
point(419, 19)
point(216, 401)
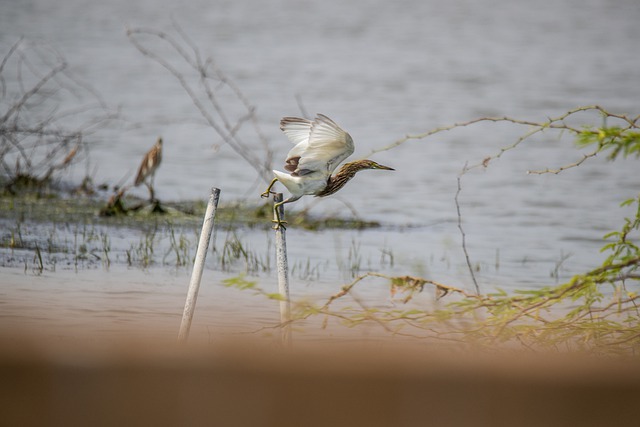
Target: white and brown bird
point(149, 166)
point(320, 146)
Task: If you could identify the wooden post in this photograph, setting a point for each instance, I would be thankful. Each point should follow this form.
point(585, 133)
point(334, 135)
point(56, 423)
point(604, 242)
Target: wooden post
point(198, 265)
point(283, 276)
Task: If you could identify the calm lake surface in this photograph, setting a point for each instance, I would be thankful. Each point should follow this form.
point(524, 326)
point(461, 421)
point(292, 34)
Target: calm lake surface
point(381, 70)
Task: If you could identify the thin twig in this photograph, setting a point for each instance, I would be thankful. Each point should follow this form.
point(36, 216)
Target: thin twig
point(463, 234)
point(215, 115)
point(35, 128)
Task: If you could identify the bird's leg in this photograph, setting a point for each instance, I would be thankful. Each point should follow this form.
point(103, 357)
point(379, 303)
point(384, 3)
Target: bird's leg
point(153, 187)
point(268, 190)
point(276, 213)
point(151, 192)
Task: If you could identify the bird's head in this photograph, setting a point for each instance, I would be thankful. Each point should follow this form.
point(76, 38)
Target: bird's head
point(159, 141)
point(368, 164)
point(348, 171)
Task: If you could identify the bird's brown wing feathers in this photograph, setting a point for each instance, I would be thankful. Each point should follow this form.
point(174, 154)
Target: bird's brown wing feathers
point(149, 164)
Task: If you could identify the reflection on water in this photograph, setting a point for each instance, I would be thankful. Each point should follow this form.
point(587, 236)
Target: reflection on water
point(381, 71)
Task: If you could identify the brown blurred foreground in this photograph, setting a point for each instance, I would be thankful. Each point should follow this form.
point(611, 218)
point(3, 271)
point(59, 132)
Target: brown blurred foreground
point(253, 384)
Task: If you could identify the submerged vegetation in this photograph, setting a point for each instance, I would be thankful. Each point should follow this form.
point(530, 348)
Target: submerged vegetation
point(69, 231)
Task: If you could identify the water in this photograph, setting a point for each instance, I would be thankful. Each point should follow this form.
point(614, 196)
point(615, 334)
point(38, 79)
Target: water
point(382, 70)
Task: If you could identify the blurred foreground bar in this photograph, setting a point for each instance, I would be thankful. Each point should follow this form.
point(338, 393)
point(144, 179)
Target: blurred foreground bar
point(249, 384)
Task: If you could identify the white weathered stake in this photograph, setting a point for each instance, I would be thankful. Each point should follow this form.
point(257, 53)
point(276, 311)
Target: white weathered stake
point(283, 276)
point(198, 265)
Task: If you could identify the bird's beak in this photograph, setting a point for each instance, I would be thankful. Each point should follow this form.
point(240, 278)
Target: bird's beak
point(387, 168)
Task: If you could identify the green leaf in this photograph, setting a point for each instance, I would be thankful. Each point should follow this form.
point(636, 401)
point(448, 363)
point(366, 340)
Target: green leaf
point(276, 296)
point(239, 282)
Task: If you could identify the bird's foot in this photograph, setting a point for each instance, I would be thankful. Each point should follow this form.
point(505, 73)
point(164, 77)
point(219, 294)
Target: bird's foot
point(268, 191)
point(278, 224)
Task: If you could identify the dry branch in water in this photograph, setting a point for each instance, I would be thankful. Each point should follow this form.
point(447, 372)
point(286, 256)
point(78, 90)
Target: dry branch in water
point(39, 136)
point(218, 99)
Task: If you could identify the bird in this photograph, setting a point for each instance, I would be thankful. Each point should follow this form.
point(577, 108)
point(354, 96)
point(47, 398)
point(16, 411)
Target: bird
point(320, 146)
point(149, 166)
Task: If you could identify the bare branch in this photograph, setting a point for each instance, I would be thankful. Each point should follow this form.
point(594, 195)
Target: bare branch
point(36, 133)
point(462, 233)
point(558, 123)
point(211, 109)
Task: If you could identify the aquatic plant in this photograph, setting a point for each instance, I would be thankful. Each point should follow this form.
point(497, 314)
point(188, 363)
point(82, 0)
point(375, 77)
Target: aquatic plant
point(235, 253)
point(180, 247)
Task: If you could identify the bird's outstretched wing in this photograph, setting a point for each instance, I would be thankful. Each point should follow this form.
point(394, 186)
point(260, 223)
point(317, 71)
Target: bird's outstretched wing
point(321, 145)
point(297, 129)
